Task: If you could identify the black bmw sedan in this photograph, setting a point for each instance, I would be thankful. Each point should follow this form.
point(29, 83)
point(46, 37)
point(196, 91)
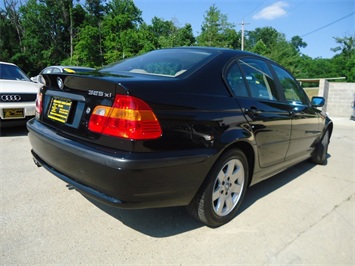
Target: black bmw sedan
point(190, 126)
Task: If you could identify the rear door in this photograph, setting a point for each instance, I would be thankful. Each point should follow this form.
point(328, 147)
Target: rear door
point(305, 120)
point(256, 92)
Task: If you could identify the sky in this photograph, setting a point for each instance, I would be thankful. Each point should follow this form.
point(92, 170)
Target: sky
point(316, 21)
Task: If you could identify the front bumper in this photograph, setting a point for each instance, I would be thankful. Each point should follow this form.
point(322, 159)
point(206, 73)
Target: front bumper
point(28, 109)
point(28, 113)
point(122, 179)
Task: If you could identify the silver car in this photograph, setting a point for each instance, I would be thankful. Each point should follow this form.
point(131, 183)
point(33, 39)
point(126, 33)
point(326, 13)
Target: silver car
point(62, 69)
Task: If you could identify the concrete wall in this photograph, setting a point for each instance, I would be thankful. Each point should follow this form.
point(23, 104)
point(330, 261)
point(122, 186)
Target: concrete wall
point(339, 97)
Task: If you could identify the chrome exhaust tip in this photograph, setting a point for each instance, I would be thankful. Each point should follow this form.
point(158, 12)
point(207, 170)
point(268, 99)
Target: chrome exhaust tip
point(37, 162)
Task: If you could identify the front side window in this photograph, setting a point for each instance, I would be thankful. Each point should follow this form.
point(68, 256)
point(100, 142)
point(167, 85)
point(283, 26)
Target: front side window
point(294, 94)
point(259, 79)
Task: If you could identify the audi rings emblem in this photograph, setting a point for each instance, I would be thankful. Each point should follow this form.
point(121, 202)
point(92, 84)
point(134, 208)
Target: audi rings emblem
point(60, 83)
point(10, 98)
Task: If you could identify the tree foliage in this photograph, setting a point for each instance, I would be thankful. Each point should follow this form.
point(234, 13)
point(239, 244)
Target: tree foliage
point(217, 31)
point(345, 61)
point(38, 33)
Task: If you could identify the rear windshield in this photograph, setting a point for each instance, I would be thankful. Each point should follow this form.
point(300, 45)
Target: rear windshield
point(12, 72)
point(169, 63)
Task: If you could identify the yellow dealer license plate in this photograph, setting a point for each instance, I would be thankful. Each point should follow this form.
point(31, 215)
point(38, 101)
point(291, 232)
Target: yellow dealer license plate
point(59, 109)
point(13, 113)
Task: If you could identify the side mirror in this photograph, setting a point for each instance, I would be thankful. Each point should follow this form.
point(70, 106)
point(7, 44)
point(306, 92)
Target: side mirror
point(317, 101)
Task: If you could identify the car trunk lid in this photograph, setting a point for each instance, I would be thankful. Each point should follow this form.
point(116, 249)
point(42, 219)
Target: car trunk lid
point(66, 102)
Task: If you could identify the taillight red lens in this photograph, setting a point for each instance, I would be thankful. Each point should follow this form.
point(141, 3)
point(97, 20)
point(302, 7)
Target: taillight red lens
point(39, 103)
point(129, 117)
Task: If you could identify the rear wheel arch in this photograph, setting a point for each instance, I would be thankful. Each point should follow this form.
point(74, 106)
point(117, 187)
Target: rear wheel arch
point(231, 183)
point(238, 139)
point(249, 153)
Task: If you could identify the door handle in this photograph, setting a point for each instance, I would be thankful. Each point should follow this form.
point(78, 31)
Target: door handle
point(297, 114)
point(252, 111)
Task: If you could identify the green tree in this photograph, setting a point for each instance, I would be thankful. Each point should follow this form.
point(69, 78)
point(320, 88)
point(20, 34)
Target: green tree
point(298, 43)
point(120, 29)
point(45, 33)
point(167, 34)
point(37, 40)
point(217, 31)
point(87, 34)
point(95, 11)
point(10, 31)
point(146, 38)
point(345, 61)
point(185, 36)
point(285, 54)
point(270, 43)
point(316, 68)
point(346, 46)
point(88, 48)
point(260, 48)
point(268, 35)
point(163, 32)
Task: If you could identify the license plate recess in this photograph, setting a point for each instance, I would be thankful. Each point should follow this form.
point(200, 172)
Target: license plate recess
point(59, 109)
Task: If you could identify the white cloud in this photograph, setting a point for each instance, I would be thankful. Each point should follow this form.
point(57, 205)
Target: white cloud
point(273, 11)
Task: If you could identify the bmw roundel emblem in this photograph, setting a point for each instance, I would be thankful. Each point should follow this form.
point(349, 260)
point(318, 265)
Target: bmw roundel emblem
point(60, 83)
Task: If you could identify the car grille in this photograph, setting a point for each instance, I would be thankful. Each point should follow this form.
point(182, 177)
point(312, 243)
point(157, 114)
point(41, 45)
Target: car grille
point(17, 97)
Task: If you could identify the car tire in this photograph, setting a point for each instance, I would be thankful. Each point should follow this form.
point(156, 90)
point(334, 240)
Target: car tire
point(319, 155)
point(222, 193)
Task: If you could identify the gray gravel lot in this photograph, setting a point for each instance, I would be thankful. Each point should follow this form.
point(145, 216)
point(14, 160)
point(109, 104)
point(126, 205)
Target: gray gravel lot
point(305, 215)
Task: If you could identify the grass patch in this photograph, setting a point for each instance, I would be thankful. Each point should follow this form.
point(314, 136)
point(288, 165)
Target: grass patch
point(311, 92)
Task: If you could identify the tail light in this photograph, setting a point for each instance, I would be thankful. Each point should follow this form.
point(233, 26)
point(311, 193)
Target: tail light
point(39, 104)
point(129, 117)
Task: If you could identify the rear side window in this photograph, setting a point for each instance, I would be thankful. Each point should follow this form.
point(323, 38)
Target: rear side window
point(56, 70)
point(47, 70)
point(236, 81)
point(259, 79)
point(294, 94)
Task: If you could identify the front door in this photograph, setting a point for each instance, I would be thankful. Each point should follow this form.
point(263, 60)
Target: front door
point(259, 99)
point(305, 120)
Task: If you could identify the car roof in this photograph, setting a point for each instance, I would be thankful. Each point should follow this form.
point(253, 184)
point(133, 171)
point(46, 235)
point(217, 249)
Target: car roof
point(212, 49)
point(221, 50)
point(7, 63)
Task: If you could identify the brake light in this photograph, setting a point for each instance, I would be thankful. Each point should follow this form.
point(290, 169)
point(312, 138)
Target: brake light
point(129, 117)
point(39, 103)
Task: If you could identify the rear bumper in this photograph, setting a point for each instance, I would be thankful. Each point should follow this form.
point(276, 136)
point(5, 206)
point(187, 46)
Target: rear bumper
point(123, 179)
